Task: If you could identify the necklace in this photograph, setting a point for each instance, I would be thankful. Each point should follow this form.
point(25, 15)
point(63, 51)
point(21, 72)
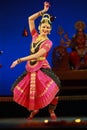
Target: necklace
point(34, 47)
point(37, 43)
point(40, 38)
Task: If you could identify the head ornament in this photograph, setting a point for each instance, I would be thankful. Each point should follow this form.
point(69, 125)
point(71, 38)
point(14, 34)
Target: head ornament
point(46, 18)
point(80, 24)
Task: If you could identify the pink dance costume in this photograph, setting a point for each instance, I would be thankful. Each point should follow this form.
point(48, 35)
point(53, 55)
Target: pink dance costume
point(38, 85)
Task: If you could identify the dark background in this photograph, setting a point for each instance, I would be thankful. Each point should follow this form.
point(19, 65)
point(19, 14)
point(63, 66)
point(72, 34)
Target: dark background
point(14, 18)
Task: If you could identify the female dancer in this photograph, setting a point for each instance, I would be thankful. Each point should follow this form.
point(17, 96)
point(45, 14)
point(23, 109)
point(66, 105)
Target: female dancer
point(38, 86)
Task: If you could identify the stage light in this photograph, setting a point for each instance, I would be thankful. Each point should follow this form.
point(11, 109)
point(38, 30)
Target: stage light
point(46, 121)
point(78, 120)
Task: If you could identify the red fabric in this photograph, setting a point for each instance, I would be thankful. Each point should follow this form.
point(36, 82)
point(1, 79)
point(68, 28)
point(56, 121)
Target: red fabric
point(45, 91)
point(75, 58)
point(47, 45)
point(54, 101)
point(34, 32)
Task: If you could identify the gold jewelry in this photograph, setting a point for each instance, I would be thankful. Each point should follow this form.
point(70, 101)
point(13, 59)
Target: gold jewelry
point(18, 60)
point(33, 48)
point(41, 58)
point(41, 13)
point(39, 40)
point(46, 17)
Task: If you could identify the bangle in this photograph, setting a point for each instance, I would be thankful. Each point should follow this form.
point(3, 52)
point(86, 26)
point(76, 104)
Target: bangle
point(41, 13)
point(19, 60)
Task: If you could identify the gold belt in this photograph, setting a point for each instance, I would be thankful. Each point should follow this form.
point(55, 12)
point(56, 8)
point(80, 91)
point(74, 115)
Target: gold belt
point(39, 59)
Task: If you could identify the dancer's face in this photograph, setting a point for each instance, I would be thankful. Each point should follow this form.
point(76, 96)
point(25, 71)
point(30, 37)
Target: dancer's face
point(45, 28)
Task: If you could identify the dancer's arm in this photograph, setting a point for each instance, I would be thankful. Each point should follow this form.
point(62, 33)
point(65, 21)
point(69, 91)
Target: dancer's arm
point(32, 18)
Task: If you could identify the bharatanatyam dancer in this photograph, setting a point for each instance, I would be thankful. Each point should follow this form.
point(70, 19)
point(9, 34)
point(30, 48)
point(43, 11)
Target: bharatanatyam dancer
point(38, 86)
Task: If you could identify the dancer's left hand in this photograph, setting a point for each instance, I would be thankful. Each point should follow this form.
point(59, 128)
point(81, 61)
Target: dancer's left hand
point(14, 64)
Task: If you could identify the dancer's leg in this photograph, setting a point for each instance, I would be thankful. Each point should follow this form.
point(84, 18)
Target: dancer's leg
point(32, 114)
point(52, 108)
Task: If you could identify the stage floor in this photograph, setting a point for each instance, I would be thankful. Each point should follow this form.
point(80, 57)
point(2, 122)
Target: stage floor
point(44, 123)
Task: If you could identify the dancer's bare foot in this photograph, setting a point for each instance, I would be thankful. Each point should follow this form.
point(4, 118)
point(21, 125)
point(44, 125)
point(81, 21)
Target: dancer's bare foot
point(33, 113)
point(52, 115)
